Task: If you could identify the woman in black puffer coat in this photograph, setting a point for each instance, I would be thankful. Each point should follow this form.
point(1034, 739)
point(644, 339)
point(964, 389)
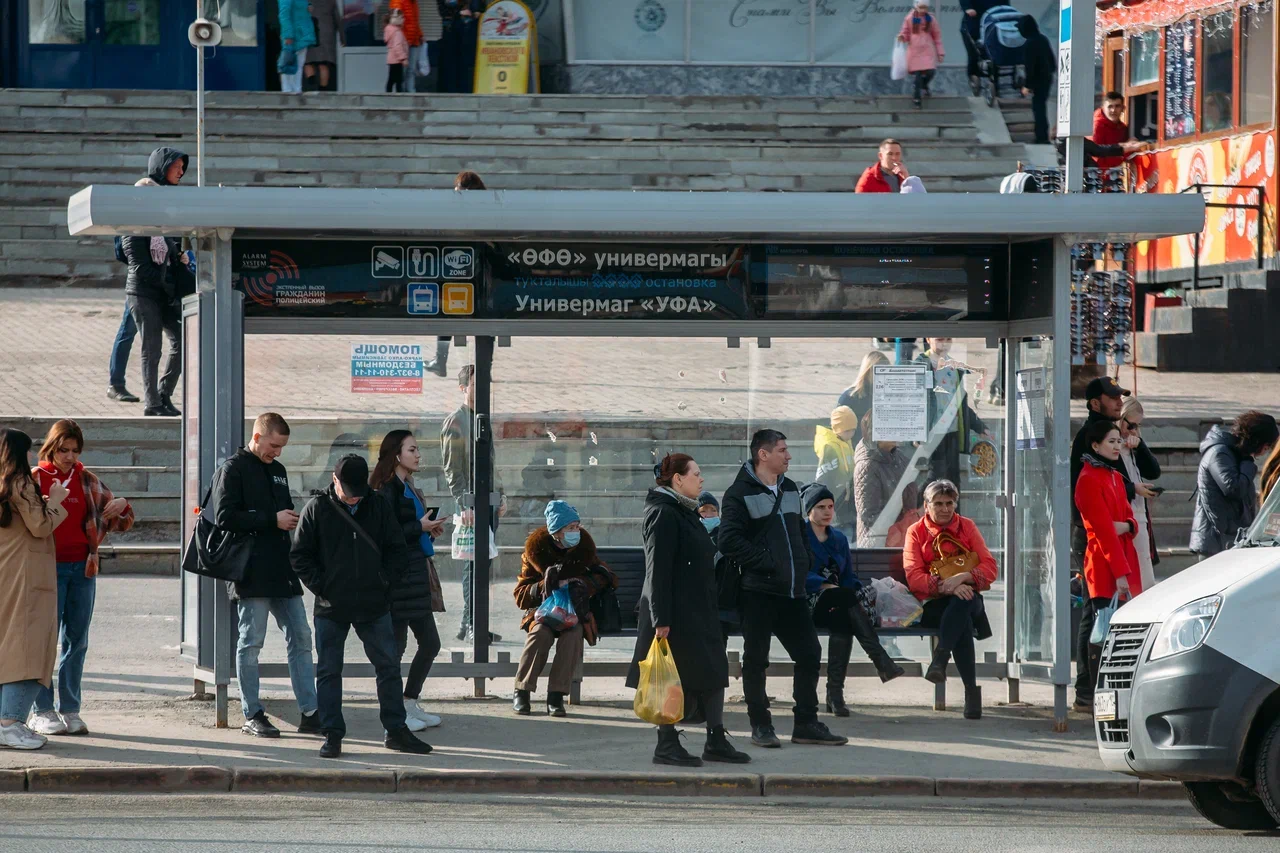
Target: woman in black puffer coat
point(416, 596)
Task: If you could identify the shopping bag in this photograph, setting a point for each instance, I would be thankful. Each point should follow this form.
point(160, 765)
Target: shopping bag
point(898, 65)
point(464, 542)
point(557, 612)
point(1102, 621)
point(659, 696)
point(424, 63)
point(895, 604)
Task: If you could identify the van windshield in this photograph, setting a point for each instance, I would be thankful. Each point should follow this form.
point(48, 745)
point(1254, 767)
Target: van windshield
point(1266, 527)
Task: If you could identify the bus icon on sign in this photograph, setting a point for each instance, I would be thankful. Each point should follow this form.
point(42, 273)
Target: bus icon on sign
point(423, 298)
point(457, 298)
point(459, 262)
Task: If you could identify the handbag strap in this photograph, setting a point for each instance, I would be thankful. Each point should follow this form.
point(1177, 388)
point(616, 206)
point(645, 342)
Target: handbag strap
point(346, 516)
point(945, 537)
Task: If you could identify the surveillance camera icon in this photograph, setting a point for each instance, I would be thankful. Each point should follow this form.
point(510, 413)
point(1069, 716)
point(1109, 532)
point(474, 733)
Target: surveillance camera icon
point(204, 33)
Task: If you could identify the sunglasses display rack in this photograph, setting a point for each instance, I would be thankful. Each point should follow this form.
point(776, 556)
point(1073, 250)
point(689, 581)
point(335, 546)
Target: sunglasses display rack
point(1101, 304)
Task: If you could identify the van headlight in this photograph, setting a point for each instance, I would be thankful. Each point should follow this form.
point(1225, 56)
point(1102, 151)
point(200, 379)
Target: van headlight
point(1187, 628)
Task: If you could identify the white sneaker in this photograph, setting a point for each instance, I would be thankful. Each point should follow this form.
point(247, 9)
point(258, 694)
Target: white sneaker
point(47, 723)
point(75, 725)
point(414, 724)
point(414, 711)
point(18, 736)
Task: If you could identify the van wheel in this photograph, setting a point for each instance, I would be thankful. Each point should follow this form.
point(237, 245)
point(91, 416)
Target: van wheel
point(1267, 770)
point(1229, 806)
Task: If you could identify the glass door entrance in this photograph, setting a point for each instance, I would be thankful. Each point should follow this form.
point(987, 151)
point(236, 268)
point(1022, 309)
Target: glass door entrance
point(110, 44)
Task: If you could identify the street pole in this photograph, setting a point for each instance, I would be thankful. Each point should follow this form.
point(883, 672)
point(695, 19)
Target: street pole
point(1075, 84)
point(199, 104)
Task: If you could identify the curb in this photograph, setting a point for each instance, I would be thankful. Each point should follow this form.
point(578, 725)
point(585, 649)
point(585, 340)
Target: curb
point(150, 780)
point(580, 782)
point(803, 785)
point(270, 780)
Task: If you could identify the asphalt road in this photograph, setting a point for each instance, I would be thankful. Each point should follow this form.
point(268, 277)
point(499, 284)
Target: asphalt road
point(34, 823)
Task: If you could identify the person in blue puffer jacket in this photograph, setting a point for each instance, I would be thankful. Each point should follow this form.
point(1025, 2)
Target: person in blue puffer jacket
point(834, 598)
point(297, 33)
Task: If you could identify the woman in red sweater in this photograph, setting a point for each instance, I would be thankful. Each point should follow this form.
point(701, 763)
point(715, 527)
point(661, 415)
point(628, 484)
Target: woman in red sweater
point(1110, 558)
point(92, 513)
point(953, 606)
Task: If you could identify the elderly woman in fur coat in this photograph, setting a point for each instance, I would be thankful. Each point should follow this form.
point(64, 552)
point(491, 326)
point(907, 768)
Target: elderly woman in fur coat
point(561, 554)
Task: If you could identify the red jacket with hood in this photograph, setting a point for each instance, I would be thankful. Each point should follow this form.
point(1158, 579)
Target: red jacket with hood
point(1108, 132)
point(1102, 501)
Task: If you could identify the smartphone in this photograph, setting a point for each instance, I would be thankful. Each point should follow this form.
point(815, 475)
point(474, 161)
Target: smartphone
point(432, 511)
point(1159, 490)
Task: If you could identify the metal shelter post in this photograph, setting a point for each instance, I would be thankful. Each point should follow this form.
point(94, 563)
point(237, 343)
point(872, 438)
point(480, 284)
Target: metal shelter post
point(1075, 84)
point(1061, 540)
point(482, 473)
point(1011, 602)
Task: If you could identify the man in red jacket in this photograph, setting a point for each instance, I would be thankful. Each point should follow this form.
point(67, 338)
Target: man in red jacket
point(1109, 128)
point(887, 174)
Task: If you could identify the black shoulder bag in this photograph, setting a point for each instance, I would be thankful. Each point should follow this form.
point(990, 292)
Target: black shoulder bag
point(214, 552)
point(604, 604)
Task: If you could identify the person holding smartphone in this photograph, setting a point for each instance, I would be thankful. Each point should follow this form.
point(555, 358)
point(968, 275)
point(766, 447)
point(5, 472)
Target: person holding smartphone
point(1139, 467)
point(416, 596)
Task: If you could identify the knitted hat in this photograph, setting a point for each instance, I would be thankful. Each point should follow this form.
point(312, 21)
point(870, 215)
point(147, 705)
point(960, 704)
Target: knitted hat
point(559, 515)
point(813, 494)
point(843, 418)
point(708, 499)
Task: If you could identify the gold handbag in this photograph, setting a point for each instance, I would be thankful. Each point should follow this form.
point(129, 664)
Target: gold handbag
point(949, 564)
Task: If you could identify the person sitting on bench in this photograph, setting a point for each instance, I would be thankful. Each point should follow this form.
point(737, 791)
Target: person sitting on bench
point(833, 588)
point(948, 566)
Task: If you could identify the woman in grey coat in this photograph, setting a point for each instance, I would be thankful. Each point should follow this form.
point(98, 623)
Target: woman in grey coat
point(1225, 496)
point(878, 467)
point(322, 60)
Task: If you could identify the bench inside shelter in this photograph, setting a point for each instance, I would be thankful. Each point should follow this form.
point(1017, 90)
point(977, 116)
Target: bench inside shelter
point(869, 564)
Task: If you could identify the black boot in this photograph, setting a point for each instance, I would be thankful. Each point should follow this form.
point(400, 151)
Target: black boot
point(670, 751)
point(937, 671)
point(839, 648)
point(440, 364)
point(972, 703)
point(521, 703)
point(718, 748)
point(870, 642)
point(555, 705)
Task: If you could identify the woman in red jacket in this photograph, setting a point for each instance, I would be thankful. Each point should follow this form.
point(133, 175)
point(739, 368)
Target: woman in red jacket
point(1110, 559)
point(953, 606)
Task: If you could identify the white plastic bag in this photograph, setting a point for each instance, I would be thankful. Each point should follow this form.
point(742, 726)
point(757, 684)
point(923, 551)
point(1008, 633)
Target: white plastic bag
point(424, 62)
point(898, 66)
point(895, 605)
point(464, 542)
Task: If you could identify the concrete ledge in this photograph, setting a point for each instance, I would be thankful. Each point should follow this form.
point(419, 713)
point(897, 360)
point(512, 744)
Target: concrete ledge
point(583, 782)
point(1149, 789)
point(140, 780)
point(13, 781)
point(1038, 788)
point(266, 780)
point(802, 785)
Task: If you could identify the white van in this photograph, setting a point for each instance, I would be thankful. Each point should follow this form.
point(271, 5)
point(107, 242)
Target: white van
point(1189, 683)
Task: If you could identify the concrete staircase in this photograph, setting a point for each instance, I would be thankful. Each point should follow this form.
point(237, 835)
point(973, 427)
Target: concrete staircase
point(605, 478)
point(1218, 328)
point(54, 142)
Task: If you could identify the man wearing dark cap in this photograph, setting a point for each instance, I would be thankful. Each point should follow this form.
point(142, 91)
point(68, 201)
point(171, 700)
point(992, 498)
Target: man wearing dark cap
point(1105, 400)
point(348, 550)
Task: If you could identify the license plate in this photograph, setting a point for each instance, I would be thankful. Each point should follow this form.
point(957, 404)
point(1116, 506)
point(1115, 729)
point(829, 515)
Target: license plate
point(1104, 705)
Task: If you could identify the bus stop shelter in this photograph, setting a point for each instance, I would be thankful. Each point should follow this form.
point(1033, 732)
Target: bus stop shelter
point(772, 287)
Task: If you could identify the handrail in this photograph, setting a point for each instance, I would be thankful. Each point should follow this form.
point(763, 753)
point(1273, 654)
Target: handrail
point(1259, 206)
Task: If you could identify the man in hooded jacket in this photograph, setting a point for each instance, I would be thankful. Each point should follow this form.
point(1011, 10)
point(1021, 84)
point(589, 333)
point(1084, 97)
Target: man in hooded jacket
point(1041, 62)
point(158, 279)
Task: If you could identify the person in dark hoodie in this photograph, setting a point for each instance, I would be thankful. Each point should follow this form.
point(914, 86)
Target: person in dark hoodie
point(762, 532)
point(1041, 62)
point(350, 551)
point(158, 279)
point(250, 494)
point(1225, 497)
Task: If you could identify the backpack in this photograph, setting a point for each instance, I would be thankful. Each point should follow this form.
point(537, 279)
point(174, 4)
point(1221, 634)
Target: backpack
point(120, 251)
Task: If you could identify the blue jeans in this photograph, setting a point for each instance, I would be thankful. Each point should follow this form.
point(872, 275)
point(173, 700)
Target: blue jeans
point(120, 349)
point(76, 595)
point(379, 638)
point(291, 616)
point(16, 698)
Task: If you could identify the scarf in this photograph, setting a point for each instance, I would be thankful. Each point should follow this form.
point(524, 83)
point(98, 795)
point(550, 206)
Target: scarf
point(687, 503)
point(920, 24)
point(1099, 462)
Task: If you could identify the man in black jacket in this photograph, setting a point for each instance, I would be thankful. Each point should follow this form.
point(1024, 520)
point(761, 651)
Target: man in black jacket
point(1041, 63)
point(157, 281)
point(251, 495)
point(349, 549)
point(762, 532)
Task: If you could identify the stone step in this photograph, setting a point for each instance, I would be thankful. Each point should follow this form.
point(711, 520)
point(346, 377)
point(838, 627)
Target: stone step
point(139, 558)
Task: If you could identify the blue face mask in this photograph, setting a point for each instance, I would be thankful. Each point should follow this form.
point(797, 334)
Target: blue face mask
point(711, 523)
point(572, 538)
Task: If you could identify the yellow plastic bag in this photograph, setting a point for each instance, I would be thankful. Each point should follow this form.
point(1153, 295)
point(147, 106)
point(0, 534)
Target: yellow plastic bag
point(659, 696)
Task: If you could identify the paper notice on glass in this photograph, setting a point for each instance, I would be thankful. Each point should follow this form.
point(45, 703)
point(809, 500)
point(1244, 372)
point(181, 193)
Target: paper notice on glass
point(1031, 408)
point(900, 403)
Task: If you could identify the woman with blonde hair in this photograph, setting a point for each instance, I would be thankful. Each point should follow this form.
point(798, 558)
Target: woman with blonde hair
point(1270, 474)
point(28, 588)
point(1139, 466)
point(92, 513)
point(858, 395)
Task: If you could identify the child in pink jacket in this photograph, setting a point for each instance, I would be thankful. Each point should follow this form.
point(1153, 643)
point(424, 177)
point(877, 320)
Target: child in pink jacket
point(397, 51)
point(923, 38)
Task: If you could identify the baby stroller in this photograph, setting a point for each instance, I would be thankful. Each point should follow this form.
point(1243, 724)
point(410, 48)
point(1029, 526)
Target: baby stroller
point(1000, 48)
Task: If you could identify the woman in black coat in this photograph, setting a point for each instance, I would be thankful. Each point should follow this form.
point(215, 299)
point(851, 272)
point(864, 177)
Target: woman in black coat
point(680, 603)
point(416, 596)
